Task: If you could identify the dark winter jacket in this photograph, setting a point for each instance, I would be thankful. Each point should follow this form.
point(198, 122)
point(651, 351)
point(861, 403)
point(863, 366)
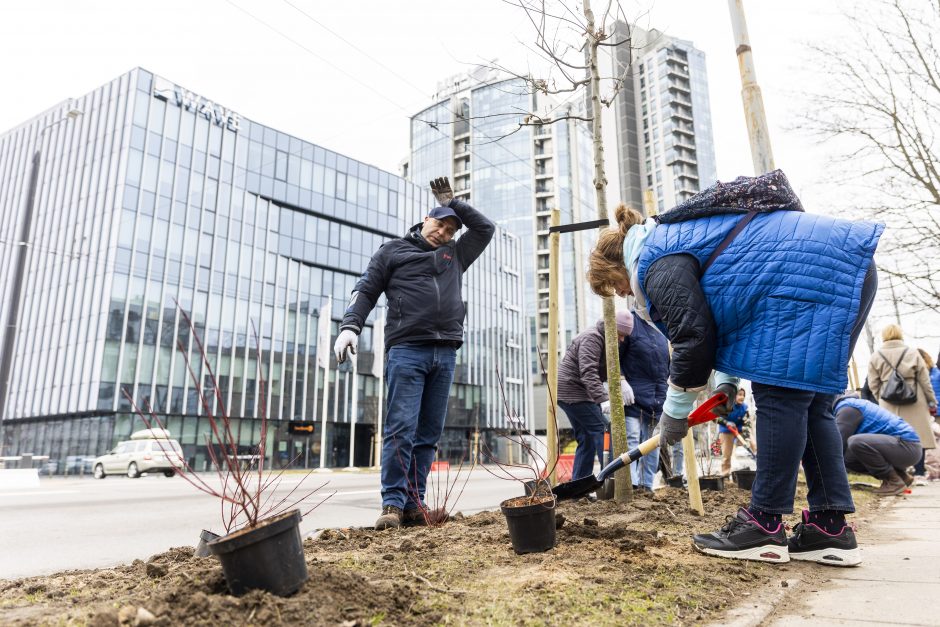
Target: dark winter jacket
point(777, 306)
point(422, 284)
point(644, 363)
point(583, 369)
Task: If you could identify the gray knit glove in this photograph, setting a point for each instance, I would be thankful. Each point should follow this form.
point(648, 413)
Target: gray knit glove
point(672, 430)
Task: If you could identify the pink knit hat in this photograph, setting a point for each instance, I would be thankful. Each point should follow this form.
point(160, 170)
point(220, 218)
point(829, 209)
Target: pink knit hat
point(624, 322)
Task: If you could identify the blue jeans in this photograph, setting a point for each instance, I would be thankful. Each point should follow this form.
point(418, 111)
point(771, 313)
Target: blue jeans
point(589, 425)
point(678, 460)
point(419, 379)
point(640, 427)
point(794, 426)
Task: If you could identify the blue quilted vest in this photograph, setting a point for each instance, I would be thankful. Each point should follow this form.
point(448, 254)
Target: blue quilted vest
point(876, 419)
point(784, 294)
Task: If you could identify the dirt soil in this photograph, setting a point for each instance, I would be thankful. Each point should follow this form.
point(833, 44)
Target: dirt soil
point(613, 564)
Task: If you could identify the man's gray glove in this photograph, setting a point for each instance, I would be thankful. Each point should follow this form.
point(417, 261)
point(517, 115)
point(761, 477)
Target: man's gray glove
point(443, 194)
point(347, 340)
point(672, 430)
point(731, 392)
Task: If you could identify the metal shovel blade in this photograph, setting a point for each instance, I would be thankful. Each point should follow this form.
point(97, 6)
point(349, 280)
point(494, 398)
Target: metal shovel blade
point(577, 488)
point(586, 485)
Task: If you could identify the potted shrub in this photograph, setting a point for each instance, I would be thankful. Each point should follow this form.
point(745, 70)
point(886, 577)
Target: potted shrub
point(744, 479)
point(708, 480)
point(261, 548)
point(531, 517)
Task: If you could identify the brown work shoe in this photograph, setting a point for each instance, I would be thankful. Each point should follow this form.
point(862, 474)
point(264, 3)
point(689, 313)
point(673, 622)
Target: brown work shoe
point(424, 517)
point(891, 485)
point(390, 518)
point(906, 478)
point(413, 517)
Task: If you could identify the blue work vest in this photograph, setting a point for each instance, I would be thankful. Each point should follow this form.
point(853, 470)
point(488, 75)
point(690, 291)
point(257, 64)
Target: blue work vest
point(876, 419)
point(784, 294)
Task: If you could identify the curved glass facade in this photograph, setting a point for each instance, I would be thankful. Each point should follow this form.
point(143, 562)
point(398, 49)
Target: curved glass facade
point(156, 201)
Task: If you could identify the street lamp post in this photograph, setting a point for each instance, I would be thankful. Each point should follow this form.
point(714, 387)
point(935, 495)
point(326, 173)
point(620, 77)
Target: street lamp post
point(23, 243)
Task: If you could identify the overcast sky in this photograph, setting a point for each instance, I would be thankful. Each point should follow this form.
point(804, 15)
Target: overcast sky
point(347, 75)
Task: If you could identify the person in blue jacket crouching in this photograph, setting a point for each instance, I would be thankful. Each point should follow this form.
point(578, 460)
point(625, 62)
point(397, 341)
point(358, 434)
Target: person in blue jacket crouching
point(744, 282)
point(877, 443)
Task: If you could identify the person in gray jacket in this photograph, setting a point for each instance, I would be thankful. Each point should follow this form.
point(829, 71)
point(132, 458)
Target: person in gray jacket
point(421, 275)
point(581, 394)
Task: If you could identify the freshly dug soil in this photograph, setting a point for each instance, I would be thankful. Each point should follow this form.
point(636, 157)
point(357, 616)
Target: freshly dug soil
point(614, 564)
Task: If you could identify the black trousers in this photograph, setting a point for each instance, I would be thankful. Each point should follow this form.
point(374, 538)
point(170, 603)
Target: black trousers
point(878, 455)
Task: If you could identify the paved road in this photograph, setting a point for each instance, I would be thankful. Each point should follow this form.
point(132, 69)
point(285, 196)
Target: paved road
point(72, 523)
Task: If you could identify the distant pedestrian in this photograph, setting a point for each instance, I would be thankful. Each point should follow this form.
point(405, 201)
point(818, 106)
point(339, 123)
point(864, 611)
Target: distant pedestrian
point(421, 275)
point(877, 443)
point(644, 364)
point(934, 376)
point(895, 355)
point(581, 394)
point(740, 419)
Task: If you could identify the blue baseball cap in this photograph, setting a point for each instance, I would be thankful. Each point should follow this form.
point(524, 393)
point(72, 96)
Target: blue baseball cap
point(439, 213)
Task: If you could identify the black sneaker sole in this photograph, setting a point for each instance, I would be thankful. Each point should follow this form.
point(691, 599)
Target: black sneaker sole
point(773, 553)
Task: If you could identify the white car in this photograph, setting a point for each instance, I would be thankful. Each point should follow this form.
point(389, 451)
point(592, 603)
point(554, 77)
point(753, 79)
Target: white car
point(149, 450)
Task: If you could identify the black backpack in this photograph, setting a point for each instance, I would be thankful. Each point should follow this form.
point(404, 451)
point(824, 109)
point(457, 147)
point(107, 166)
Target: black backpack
point(895, 389)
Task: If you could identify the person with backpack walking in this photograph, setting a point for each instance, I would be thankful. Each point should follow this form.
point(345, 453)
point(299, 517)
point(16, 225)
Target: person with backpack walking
point(745, 283)
point(900, 380)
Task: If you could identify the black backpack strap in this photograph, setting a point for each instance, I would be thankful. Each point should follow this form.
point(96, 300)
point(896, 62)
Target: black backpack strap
point(900, 359)
point(743, 222)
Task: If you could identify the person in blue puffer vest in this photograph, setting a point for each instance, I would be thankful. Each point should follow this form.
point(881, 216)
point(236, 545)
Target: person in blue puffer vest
point(877, 443)
point(644, 364)
point(744, 282)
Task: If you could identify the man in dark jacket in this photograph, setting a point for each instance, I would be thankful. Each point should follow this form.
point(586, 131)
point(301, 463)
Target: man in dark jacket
point(877, 443)
point(581, 394)
point(421, 275)
point(644, 364)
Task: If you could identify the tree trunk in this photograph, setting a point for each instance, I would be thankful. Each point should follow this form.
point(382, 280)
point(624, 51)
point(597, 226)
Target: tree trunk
point(623, 487)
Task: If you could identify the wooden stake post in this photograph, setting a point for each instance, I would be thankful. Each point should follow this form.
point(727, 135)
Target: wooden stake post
point(551, 425)
point(691, 474)
point(554, 232)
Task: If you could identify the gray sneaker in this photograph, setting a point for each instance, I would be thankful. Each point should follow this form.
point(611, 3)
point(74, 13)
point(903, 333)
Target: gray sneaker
point(390, 518)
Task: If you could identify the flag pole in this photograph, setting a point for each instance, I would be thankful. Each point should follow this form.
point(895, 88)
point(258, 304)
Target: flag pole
point(326, 379)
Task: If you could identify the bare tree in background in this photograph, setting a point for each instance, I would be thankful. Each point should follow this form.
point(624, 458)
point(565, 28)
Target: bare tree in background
point(880, 107)
point(568, 40)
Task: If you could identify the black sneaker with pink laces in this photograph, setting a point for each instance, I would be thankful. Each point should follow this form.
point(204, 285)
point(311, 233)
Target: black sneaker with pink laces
point(743, 538)
point(811, 543)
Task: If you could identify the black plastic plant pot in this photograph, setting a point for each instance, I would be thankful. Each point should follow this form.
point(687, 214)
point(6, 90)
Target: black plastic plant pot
point(744, 479)
point(676, 481)
point(269, 556)
point(531, 525)
point(711, 483)
point(202, 547)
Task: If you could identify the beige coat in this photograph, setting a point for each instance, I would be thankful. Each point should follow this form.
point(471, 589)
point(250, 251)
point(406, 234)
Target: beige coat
point(915, 373)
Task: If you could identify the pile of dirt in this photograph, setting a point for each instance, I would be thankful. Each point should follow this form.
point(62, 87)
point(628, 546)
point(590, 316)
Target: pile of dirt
point(614, 563)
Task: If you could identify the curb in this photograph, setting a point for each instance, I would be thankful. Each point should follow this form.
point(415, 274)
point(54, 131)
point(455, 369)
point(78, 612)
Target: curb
point(750, 614)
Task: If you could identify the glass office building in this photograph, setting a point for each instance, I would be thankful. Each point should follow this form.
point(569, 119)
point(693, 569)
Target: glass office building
point(517, 176)
point(155, 205)
point(660, 122)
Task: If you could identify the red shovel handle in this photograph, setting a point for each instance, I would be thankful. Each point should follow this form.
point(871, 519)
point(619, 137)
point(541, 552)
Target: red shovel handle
point(703, 413)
